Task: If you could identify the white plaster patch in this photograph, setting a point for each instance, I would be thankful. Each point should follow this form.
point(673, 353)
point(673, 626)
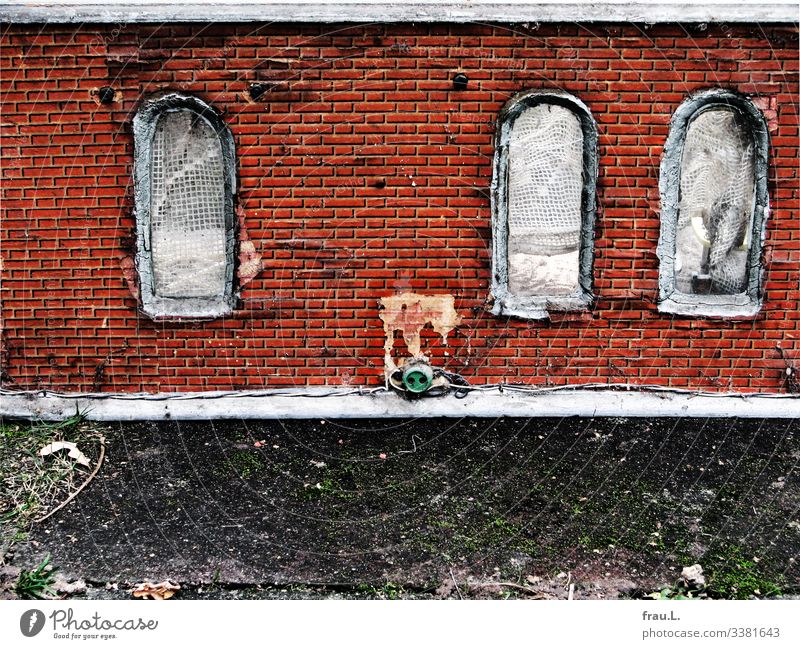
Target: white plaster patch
point(409, 313)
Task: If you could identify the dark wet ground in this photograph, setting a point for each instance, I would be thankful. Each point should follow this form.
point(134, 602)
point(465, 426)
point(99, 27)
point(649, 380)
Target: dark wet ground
point(614, 507)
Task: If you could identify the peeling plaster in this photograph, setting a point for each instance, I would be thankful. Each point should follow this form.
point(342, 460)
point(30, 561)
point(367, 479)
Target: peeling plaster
point(769, 109)
point(128, 265)
point(409, 313)
point(250, 264)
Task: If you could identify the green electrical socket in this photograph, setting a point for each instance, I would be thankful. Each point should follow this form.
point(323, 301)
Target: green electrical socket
point(417, 377)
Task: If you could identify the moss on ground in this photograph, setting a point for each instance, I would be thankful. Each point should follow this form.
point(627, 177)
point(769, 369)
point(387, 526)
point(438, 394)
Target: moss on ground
point(245, 464)
point(734, 573)
point(357, 502)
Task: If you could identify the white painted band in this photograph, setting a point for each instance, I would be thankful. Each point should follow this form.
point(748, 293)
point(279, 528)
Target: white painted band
point(155, 11)
point(343, 403)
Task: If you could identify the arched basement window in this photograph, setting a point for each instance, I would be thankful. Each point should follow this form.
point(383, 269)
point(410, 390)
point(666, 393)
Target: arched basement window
point(714, 206)
point(185, 183)
point(543, 205)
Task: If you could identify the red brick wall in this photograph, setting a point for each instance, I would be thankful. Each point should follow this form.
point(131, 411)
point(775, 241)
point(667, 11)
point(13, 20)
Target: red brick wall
point(363, 174)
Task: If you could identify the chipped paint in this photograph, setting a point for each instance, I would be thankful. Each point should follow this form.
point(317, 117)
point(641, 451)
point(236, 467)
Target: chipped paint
point(409, 313)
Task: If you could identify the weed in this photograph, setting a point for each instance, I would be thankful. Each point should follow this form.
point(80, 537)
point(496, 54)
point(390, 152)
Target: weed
point(678, 591)
point(37, 583)
point(389, 590)
point(392, 591)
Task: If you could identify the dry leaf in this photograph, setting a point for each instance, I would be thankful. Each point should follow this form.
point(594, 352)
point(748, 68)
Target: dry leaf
point(163, 590)
point(74, 452)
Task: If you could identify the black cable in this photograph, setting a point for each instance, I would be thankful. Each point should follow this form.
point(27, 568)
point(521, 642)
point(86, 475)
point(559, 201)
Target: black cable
point(455, 379)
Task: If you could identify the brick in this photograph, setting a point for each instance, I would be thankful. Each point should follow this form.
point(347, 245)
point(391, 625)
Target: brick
point(378, 171)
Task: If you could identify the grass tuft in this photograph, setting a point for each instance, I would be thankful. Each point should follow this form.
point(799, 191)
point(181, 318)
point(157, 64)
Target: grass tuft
point(31, 485)
point(37, 583)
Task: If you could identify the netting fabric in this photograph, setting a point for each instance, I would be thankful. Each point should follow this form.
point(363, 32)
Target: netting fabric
point(717, 191)
point(545, 180)
point(187, 210)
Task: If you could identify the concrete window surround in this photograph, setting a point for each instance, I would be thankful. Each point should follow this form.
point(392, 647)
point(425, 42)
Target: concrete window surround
point(671, 300)
point(538, 306)
point(145, 125)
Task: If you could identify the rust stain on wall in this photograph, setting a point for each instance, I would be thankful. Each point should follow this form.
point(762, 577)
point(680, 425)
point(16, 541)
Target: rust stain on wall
point(409, 313)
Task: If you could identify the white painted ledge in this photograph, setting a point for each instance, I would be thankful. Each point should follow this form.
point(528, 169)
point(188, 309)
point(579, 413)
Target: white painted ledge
point(344, 403)
point(156, 11)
